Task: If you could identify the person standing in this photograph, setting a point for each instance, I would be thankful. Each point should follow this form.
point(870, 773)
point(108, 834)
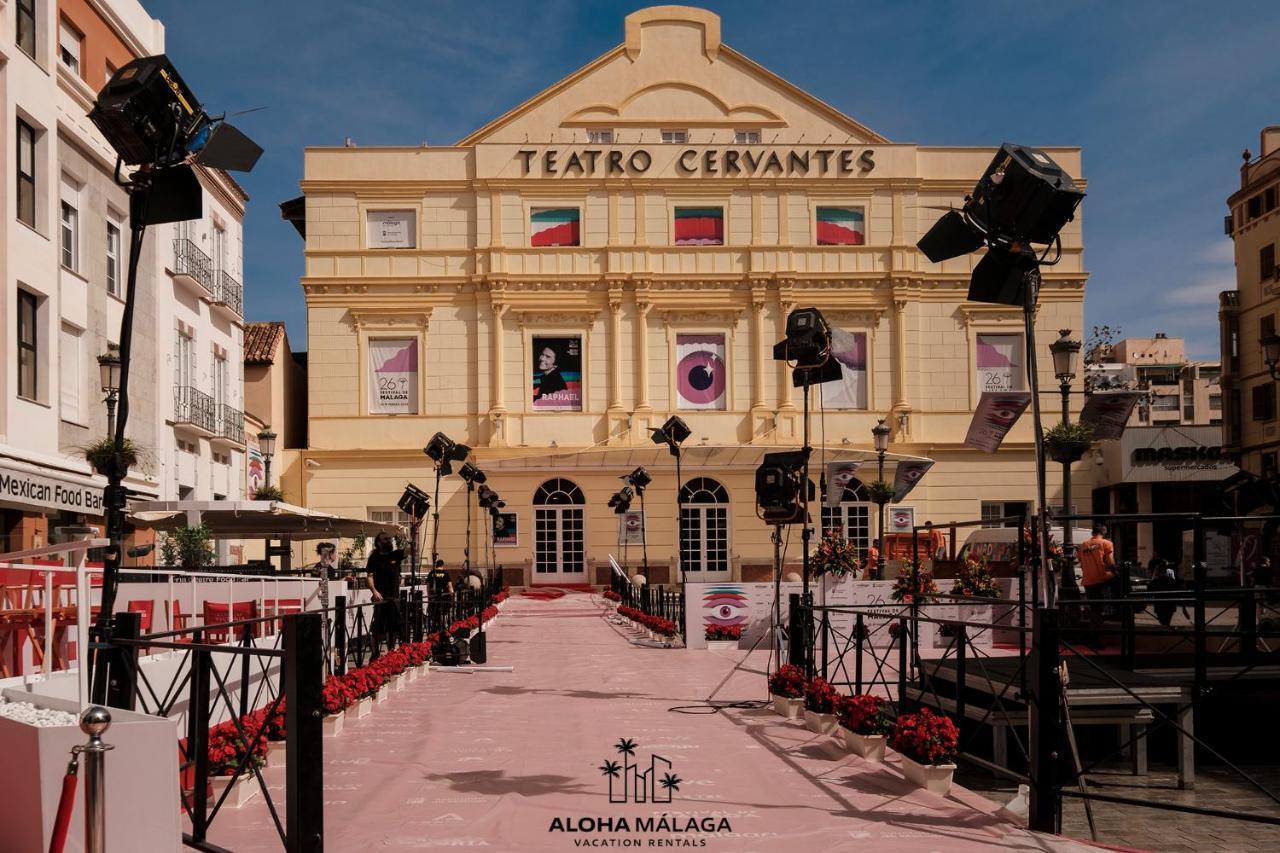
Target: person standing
point(439, 596)
point(1097, 557)
point(326, 568)
point(383, 580)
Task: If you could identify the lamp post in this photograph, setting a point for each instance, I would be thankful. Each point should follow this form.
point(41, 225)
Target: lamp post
point(267, 445)
point(880, 434)
point(1066, 353)
point(109, 369)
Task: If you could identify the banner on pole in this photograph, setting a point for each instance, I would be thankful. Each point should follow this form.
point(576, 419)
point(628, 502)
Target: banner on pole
point(1108, 412)
point(909, 473)
point(996, 414)
point(839, 476)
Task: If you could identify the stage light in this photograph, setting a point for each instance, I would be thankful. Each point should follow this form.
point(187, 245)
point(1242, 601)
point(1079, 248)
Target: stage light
point(486, 496)
point(414, 502)
point(438, 447)
point(779, 483)
point(673, 433)
point(620, 501)
point(638, 478)
point(471, 474)
point(459, 452)
point(808, 346)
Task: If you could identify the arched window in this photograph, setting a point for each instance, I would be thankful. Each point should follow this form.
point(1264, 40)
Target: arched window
point(704, 526)
point(557, 531)
point(851, 517)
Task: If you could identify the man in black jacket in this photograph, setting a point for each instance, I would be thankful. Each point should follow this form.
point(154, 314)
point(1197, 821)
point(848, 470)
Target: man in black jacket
point(383, 580)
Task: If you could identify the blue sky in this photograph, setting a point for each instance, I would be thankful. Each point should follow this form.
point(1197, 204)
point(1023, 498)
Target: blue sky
point(1162, 97)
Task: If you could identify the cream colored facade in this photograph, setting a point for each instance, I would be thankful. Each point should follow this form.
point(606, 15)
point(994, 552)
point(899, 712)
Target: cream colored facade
point(473, 293)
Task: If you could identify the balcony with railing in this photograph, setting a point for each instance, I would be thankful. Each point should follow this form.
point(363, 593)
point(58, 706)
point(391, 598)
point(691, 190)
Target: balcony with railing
point(191, 263)
point(194, 409)
point(228, 293)
point(230, 425)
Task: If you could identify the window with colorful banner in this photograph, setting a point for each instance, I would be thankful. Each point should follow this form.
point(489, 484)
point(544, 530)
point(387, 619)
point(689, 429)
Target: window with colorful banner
point(393, 376)
point(557, 374)
point(699, 226)
point(999, 363)
point(841, 226)
point(701, 377)
point(850, 392)
point(554, 226)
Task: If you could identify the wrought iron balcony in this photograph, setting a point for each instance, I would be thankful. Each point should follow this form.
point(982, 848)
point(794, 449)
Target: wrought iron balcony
point(188, 260)
point(230, 424)
point(193, 407)
point(229, 292)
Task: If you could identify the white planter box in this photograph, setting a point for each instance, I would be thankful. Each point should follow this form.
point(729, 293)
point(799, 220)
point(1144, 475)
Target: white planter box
point(275, 753)
point(870, 747)
point(789, 708)
point(243, 789)
point(822, 724)
point(722, 645)
point(397, 683)
point(141, 779)
point(381, 696)
point(362, 708)
point(933, 778)
point(411, 674)
point(333, 724)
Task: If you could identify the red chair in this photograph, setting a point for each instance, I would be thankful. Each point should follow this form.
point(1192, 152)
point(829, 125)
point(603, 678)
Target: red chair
point(147, 608)
point(216, 614)
point(279, 607)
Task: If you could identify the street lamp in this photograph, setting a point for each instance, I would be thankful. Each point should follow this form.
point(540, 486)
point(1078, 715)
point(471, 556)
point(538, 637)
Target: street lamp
point(267, 445)
point(109, 369)
point(880, 434)
point(1271, 354)
point(1066, 354)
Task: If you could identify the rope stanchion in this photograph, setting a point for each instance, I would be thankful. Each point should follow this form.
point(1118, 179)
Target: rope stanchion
point(66, 804)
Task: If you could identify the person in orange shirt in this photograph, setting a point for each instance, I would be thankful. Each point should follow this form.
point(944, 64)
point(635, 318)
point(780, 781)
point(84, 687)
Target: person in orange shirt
point(1097, 558)
point(871, 565)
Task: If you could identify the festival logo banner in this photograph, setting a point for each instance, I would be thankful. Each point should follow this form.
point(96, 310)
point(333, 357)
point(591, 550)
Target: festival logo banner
point(393, 376)
point(506, 530)
point(840, 475)
point(701, 378)
point(850, 350)
point(554, 226)
point(909, 473)
point(996, 414)
point(999, 362)
point(841, 226)
point(557, 374)
point(1108, 411)
point(699, 226)
point(631, 528)
point(256, 471)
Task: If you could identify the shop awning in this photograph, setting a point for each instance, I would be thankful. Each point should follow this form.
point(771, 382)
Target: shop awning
point(253, 520)
point(702, 456)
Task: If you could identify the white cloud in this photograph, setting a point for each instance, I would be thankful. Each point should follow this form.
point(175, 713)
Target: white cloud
point(1203, 291)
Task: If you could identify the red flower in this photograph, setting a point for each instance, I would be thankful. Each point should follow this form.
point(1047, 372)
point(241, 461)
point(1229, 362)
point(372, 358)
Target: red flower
point(865, 714)
point(926, 737)
point(788, 682)
point(819, 696)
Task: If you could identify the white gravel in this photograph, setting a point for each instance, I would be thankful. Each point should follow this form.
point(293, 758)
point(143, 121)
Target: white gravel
point(25, 712)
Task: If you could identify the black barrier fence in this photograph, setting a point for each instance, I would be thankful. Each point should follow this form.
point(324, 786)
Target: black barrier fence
point(652, 600)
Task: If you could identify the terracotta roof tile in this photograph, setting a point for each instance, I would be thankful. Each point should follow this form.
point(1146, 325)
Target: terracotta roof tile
point(261, 340)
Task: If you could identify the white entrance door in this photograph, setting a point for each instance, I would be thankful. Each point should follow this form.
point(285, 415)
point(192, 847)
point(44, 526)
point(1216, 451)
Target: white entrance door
point(558, 553)
point(704, 530)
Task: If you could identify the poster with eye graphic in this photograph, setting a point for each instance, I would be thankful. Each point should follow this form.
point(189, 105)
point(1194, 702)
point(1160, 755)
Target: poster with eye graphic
point(701, 378)
point(909, 473)
point(557, 374)
point(996, 414)
point(393, 376)
point(850, 350)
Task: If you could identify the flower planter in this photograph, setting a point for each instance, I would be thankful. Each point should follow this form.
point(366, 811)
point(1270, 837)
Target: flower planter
point(722, 645)
point(381, 695)
point(243, 789)
point(789, 708)
point(870, 747)
point(362, 708)
point(411, 674)
point(935, 778)
point(332, 724)
point(275, 753)
point(398, 682)
point(822, 724)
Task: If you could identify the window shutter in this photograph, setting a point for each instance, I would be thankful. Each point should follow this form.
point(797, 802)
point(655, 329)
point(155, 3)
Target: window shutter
point(69, 374)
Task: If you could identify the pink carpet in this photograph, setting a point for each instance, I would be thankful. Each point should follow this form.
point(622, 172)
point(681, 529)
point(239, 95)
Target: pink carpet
point(497, 759)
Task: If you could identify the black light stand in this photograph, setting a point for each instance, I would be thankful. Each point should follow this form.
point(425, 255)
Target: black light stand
point(674, 433)
point(443, 451)
point(473, 477)
point(415, 503)
point(639, 480)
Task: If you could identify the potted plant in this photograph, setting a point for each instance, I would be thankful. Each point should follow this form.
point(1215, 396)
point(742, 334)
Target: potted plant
point(819, 706)
point(228, 751)
point(914, 585)
point(268, 493)
point(974, 582)
point(99, 453)
point(363, 686)
point(335, 696)
point(188, 547)
point(722, 636)
point(786, 688)
point(865, 722)
point(835, 556)
point(274, 732)
point(927, 742)
point(880, 492)
point(1066, 442)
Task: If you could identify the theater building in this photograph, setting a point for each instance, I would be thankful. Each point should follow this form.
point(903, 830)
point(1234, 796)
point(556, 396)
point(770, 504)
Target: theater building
point(626, 246)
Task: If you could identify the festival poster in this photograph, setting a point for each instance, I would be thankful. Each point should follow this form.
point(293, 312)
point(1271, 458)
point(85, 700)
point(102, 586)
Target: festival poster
point(554, 226)
point(557, 374)
point(393, 376)
point(746, 605)
point(995, 415)
point(850, 392)
point(699, 226)
point(701, 378)
point(506, 530)
point(839, 477)
point(1108, 412)
point(908, 474)
point(255, 471)
point(631, 528)
point(841, 226)
point(999, 363)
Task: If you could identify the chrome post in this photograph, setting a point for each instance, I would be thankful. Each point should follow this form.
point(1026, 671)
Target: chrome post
point(94, 722)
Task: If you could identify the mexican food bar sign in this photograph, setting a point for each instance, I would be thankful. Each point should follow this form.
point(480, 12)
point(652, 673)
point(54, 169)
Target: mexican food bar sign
point(23, 488)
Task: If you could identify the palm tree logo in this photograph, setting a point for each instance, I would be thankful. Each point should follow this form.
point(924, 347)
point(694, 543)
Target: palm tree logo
point(671, 782)
point(626, 746)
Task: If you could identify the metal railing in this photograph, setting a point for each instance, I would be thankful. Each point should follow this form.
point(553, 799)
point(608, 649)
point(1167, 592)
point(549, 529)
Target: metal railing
point(190, 261)
point(652, 600)
point(229, 292)
point(230, 423)
point(193, 406)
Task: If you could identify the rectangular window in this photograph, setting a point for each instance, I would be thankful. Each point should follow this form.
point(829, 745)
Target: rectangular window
point(675, 137)
point(69, 42)
point(992, 511)
point(600, 137)
point(1215, 402)
point(1165, 402)
point(387, 515)
point(849, 349)
point(1255, 207)
point(28, 345)
point(391, 229)
point(1269, 200)
point(70, 240)
point(840, 226)
point(554, 226)
point(113, 259)
point(69, 373)
point(1264, 402)
point(219, 249)
point(1269, 463)
point(220, 380)
point(746, 137)
point(184, 361)
point(393, 376)
point(26, 173)
point(999, 360)
point(699, 226)
point(27, 27)
point(1267, 262)
point(1211, 375)
point(1266, 326)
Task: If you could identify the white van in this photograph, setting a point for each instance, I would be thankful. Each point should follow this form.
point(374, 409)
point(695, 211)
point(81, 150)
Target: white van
point(1000, 544)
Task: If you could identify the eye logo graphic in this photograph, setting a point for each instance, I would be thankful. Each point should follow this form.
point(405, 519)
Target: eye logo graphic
point(724, 606)
point(632, 781)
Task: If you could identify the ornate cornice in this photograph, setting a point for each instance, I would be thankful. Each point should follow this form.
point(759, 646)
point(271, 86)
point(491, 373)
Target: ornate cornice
point(870, 317)
point(991, 315)
point(722, 316)
point(554, 317)
point(366, 319)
